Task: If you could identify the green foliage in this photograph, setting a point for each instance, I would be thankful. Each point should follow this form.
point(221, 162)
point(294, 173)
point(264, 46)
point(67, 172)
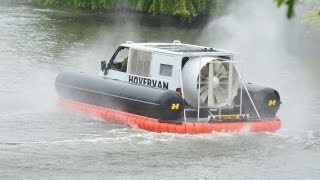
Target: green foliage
point(312, 19)
point(290, 5)
point(187, 10)
point(312, 15)
point(155, 7)
point(166, 6)
point(143, 5)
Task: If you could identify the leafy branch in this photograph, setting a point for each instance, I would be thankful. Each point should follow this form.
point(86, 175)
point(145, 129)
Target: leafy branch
point(290, 6)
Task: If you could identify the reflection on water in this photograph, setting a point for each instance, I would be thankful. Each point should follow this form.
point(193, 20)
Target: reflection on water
point(39, 139)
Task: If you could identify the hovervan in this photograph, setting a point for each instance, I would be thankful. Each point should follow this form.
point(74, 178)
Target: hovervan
point(172, 87)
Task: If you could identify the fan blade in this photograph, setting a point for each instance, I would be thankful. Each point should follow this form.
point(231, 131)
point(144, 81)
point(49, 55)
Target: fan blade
point(205, 71)
point(217, 65)
point(224, 86)
point(220, 96)
point(222, 72)
point(202, 88)
point(223, 75)
point(204, 82)
point(215, 99)
point(230, 80)
point(210, 88)
point(204, 96)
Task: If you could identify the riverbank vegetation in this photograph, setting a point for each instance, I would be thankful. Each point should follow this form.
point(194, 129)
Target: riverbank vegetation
point(311, 12)
point(312, 18)
point(312, 15)
point(186, 10)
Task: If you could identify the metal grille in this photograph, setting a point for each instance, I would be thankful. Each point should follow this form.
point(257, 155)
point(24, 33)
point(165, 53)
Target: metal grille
point(140, 62)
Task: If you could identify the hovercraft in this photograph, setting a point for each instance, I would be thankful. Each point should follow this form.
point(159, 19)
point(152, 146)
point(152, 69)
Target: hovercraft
point(172, 87)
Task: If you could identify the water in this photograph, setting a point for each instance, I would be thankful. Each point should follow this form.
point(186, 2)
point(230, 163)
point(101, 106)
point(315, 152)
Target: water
point(39, 140)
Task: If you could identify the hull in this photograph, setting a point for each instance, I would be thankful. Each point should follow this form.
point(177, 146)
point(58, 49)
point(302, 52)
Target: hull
point(154, 125)
point(120, 96)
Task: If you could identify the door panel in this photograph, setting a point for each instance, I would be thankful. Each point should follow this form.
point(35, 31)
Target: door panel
point(164, 65)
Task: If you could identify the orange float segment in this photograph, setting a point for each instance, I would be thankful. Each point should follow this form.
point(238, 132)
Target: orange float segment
point(149, 125)
point(163, 127)
point(137, 121)
point(261, 127)
point(269, 126)
point(236, 127)
point(190, 128)
point(276, 124)
point(207, 128)
point(215, 127)
point(171, 128)
point(141, 123)
point(156, 127)
point(181, 128)
point(114, 116)
point(130, 120)
point(105, 114)
point(198, 128)
point(251, 127)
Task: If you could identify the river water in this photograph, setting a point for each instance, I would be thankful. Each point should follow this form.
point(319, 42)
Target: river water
point(39, 140)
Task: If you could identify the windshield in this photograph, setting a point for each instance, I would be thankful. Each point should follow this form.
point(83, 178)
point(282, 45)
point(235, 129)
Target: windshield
point(122, 55)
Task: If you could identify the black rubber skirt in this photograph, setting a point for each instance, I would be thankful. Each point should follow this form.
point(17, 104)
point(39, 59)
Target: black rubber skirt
point(164, 105)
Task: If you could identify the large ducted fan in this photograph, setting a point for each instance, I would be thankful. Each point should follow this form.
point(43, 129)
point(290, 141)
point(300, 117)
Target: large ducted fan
point(217, 85)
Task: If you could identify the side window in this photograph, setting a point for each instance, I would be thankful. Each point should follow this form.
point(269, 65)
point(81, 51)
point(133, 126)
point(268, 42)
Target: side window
point(121, 59)
point(165, 70)
point(140, 62)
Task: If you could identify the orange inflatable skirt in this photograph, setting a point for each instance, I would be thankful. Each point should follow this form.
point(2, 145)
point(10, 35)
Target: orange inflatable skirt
point(152, 125)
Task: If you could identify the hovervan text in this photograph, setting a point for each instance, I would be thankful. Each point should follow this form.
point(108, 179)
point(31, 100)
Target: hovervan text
point(148, 82)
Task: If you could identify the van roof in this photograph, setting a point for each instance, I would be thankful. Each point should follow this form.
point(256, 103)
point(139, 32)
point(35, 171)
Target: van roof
point(178, 48)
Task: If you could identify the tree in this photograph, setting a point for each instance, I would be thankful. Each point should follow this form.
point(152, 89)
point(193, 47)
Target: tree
point(290, 5)
point(312, 19)
point(311, 15)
